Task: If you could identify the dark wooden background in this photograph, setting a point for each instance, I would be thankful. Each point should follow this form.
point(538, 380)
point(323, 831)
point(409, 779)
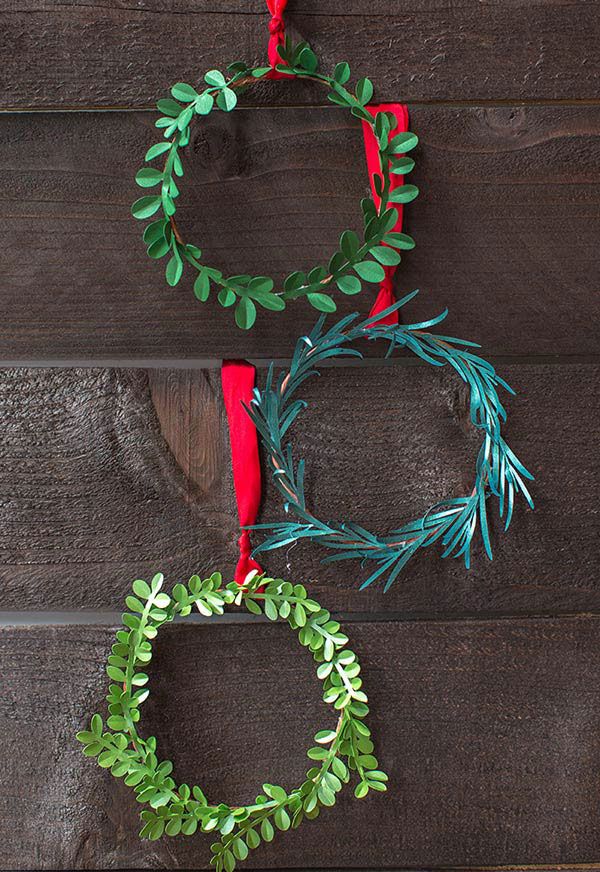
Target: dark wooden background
point(114, 449)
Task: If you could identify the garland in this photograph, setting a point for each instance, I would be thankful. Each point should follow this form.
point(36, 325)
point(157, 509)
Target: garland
point(178, 809)
point(356, 260)
point(498, 472)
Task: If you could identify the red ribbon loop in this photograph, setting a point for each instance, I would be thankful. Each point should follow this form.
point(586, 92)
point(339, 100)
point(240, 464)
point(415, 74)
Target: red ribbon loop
point(385, 297)
point(277, 31)
point(237, 378)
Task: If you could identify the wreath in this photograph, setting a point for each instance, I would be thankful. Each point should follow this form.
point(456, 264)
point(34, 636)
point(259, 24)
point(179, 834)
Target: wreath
point(356, 260)
point(174, 809)
point(453, 521)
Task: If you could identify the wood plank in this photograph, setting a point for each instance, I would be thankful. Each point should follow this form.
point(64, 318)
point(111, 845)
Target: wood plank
point(94, 495)
point(510, 203)
point(489, 730)
point(102, 53)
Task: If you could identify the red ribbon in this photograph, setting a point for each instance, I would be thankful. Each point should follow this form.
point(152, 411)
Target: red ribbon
point(277, 31)
point(237, 378)
point(385, 297)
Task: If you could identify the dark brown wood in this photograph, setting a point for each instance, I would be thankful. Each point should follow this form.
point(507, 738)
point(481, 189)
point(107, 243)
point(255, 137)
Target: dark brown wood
point(95, 496)
point(488, 729)
point(114, 54)
point(506, 228)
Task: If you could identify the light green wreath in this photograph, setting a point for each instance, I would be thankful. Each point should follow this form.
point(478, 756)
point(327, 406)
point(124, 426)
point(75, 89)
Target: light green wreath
point(173, 809)
point(356, 260)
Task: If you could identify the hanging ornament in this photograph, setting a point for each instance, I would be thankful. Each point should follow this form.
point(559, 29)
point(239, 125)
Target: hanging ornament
point(359, 258)
point(453, 521)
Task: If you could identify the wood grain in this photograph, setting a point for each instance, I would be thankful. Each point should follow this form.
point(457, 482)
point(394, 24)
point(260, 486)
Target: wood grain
point(488, 730)
point(101, 53)
point(506, 228)
point(93, 495)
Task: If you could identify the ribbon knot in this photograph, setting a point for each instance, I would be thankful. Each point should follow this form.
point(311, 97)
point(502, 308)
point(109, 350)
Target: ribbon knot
point(276, 24)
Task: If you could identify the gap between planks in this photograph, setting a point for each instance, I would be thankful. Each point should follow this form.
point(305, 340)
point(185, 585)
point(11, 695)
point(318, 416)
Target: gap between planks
point(263, 362)
point(99, 617)
point(450, 104)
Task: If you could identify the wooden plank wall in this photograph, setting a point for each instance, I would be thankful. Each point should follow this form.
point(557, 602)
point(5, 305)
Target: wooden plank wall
point(114, 446)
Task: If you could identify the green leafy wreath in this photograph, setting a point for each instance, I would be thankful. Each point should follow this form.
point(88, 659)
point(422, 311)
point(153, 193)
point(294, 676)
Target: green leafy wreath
point(355, 261)
point(176, 809)
point(498, 471)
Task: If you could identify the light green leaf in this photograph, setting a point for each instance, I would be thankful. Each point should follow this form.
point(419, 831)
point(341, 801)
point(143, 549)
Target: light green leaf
point(174, 270)
point(145, 207)
point(214, 78)
point(184, 92)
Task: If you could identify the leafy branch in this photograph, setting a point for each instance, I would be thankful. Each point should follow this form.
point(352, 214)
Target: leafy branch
point(355, 261)
point(173, 809)
point(498, 471)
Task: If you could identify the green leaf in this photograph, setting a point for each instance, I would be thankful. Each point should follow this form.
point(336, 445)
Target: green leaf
point(174, 270)
point(214, 78)
point(226, 99)
point(299, 615)
point(226, 297)
point(324, 737)
point(349, 284)
point(271, 610)
point(364, 90)
point(282, 819)
point(189, 827)
point(361, 790)
point(204, 103)
point(317, 753)
point(184, 92)
point(202, 286)
point(96, 725)
point(369, 271)
point(349, 244)
point(385, 255)
point(266, 830)
point(404, 194)
point(228, 861)
point(308, 60)
point(240, 849)
point(403, 142)
point(141, 588)
point(115, 673)
point(245, 313)
point(253, 606)
point(145, 207)
point(162, 600)
point(252, 838)
point(158, 249)
point(341, 73)
point(156, 150)
point(400, 240)
point(322, 302)
point(154, 231)
point(275, 792)
point(401, 166)
point(134, 604)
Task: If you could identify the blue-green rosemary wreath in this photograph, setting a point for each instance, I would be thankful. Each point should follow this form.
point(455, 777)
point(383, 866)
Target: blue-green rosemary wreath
point(174, 809)
point(498, 471)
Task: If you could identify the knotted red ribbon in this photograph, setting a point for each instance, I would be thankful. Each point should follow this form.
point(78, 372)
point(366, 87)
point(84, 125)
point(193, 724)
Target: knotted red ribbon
point(277, 31)
point(385, 297)
point(237, 378)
